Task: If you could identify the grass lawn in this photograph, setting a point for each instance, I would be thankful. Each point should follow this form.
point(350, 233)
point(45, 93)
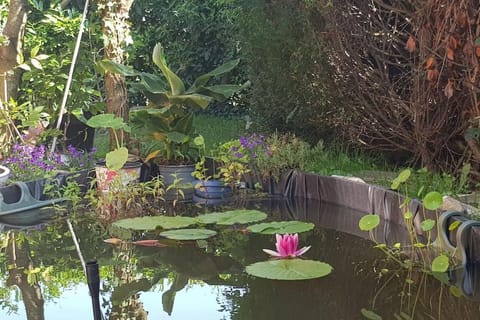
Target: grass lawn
point(217, 130)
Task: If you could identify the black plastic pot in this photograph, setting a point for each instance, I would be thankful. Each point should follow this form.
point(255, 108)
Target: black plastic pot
point(77, 133)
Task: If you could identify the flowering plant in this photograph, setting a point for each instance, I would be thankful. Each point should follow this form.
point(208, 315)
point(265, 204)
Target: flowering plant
point(29, 162)
point(236, 157)
point(287, 247)
point(282, 152)
point(76, 159)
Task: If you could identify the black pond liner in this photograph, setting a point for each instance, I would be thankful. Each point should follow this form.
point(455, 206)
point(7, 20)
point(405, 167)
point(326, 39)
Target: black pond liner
point(298, 188)
point(378, 200)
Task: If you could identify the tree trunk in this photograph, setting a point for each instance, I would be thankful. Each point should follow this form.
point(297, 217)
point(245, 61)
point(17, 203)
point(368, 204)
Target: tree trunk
point(116, 34)
point(13, 32)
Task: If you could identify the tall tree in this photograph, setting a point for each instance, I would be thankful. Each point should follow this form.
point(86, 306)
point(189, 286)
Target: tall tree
point(116, 34)
point(11, 46)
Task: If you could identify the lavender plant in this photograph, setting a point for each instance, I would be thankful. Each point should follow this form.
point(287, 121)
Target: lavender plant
point(29, 162)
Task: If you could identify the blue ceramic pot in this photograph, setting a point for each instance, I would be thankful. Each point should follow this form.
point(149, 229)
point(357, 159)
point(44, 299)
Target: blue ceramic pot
point(212, 189)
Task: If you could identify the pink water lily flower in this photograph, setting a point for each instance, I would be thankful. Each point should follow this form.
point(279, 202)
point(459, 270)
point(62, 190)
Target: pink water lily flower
point(287, 247)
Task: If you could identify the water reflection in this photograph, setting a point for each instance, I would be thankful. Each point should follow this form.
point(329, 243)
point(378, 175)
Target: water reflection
point(207, 281)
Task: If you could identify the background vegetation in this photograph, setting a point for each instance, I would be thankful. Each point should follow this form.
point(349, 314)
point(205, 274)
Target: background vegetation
point(404, 84)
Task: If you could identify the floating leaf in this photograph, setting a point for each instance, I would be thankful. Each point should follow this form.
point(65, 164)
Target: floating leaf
point(432, 200)
point(281, 227)
point(370, 314)
point(440, 263)
point(188, 234)
point(454, 225)
point(232, 217)
point(455, 291)
point(289, 269)
point(427, 224)
point(369, 222)
point(151, 223)
point(114, 241)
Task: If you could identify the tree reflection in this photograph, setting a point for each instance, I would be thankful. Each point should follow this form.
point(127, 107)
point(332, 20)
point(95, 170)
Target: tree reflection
point(20, 266)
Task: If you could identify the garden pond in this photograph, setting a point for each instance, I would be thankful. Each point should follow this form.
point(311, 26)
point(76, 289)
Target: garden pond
point(41, 274)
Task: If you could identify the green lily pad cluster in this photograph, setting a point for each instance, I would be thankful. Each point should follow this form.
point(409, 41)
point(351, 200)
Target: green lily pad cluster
point(280, 269)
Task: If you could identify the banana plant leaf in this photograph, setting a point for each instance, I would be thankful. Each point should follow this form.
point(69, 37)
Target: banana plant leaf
point(176, 84)
point(224, 68)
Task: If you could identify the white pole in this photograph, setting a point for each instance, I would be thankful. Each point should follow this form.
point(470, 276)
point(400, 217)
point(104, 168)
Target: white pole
point(70, 75)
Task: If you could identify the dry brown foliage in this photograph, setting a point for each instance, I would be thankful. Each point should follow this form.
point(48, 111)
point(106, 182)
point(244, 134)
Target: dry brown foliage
point(410, 71)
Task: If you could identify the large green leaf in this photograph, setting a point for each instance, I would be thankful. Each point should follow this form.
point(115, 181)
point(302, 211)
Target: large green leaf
point(289, 269)
point(113, 67)
point(440, 263)
point(281, 227)
point(232, 217)
point(151, 223)
point(108, 120)
point(188, 234)
point(401, 178)
point(433, 200)
point(178, 137)
point(151, 83)
point(222, 92)
point(193, 100)
point(224, 68)
point(184, 124)
point(117, 158)
point(427, 224)
point(176, 84)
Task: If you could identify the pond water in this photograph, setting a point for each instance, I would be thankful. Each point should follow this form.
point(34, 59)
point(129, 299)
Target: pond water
point(41, 275)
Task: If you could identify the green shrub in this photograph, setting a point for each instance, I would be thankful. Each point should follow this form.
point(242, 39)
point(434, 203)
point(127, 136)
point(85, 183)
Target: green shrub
point(53, 32)
point(291, 83)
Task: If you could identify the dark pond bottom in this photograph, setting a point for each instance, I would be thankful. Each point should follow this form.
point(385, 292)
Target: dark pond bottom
point(189, 282)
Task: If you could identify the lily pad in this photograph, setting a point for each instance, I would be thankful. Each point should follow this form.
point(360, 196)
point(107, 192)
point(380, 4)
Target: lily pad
point(188, 234)
point(369, 222)
point(281, 227)
point(232, 217)
point(289, 269)
point(151, 223)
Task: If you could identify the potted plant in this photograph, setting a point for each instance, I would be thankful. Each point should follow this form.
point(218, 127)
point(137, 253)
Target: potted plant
point(209, 187)
point(116, 164)
point(168, 117)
